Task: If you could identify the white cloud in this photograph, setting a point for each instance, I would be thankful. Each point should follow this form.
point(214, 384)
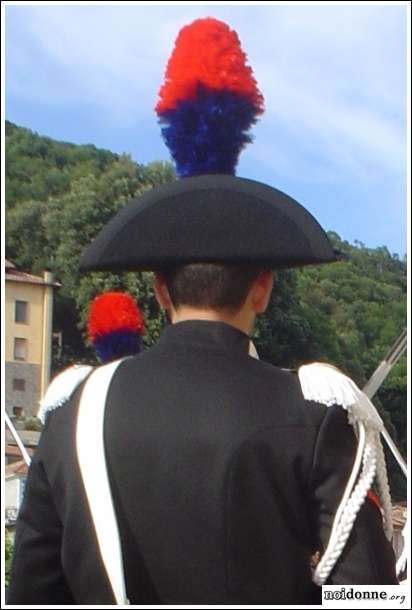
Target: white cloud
point(336, 83)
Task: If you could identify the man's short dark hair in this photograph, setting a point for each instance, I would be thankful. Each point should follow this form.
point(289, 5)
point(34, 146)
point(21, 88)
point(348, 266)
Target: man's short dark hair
point(210, 285)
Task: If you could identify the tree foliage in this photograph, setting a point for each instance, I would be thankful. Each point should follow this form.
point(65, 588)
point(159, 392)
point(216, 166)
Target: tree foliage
point(60, 195)
point(8, 556)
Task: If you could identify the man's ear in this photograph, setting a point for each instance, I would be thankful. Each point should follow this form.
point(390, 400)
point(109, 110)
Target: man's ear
point(161, 292)
point(261, 291)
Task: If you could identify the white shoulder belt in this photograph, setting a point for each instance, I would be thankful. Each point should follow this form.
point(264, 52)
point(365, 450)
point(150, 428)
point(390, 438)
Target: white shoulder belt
point(92, 462)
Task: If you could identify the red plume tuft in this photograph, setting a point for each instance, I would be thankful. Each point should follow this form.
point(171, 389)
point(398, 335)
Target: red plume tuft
point(112, 311)
point(207, 52)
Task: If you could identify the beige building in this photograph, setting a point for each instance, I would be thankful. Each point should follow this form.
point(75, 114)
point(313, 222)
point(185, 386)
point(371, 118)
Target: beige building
point(28, 339)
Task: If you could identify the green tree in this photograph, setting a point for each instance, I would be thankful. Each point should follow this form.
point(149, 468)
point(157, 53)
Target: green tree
point(8, 548)
point(59, 196)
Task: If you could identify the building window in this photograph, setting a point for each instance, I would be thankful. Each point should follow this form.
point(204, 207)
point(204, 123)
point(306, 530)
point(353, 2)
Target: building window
point(20, 312)
point(19, 385)
point(20, 349)
point(18, 411)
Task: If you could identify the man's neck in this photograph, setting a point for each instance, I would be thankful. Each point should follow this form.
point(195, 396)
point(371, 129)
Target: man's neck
point(240, 320)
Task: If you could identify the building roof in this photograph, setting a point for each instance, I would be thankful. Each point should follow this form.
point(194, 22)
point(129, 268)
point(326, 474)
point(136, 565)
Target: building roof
point(16, 275)
point(399, 515)
point(30, 438)
point(16, 468)
point(13, 451)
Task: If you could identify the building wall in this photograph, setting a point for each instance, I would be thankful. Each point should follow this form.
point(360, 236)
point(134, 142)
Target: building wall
point(12, 499)
point(14, 490)
point(33, 294)
point(397, 542)
point(30, 369)
point(29, 398)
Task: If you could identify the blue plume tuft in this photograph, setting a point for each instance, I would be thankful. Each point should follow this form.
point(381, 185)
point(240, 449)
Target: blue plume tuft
point(117, 344)
point(205, 135)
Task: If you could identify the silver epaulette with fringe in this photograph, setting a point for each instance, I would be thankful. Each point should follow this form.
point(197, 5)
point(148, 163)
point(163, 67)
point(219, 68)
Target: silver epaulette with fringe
point(62, 388)
point(325, 384)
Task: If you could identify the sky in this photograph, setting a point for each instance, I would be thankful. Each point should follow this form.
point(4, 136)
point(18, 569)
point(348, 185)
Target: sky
point(333, 76)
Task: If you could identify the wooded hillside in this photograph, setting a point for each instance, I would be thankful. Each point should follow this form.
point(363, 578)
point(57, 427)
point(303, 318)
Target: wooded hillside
point(59, 195)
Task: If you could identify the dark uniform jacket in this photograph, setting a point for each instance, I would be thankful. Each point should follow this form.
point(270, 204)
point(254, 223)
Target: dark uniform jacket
point(225, 481)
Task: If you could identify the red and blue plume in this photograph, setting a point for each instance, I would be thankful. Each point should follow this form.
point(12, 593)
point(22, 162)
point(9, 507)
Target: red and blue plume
point(209, 99)
point(115, 326)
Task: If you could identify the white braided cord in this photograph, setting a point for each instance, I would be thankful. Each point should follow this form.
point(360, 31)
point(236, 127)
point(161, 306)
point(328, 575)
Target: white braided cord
point(383, 489)
point(351, 483)
point(327, 385)
point(342, 529)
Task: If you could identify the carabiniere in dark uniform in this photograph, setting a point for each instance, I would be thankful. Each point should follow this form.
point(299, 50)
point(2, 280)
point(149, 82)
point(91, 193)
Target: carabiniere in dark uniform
point(225, 480)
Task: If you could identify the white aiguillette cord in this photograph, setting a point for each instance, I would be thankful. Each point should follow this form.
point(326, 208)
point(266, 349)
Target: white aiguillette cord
point(326, 384)
point(92, 463)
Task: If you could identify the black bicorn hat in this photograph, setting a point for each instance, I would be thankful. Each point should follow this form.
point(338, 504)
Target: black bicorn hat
point(212, 218)
point(207, 104)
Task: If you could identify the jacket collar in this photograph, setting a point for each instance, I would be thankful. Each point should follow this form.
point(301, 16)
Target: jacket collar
point(208, 334)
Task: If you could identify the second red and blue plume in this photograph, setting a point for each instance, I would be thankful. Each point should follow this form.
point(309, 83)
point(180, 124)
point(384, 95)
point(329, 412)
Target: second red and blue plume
point(115, 326)
point(209, 99)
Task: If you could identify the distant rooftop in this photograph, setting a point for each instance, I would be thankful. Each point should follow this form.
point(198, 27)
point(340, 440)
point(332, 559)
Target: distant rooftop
point(15, 275)
point(13, 451)
point(399, 513)
point(30, 438)
point(16, 468)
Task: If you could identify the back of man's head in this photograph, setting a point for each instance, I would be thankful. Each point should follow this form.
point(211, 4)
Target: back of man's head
point(211, 286)
point(228, 293)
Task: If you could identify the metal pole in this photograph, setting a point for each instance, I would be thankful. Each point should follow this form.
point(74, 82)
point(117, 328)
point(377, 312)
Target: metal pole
point(18, 440)
point(391, 358)
point(374, 383)
point(396, 453)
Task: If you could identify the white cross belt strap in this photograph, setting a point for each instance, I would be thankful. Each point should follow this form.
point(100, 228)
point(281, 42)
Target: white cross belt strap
point(92, 463)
